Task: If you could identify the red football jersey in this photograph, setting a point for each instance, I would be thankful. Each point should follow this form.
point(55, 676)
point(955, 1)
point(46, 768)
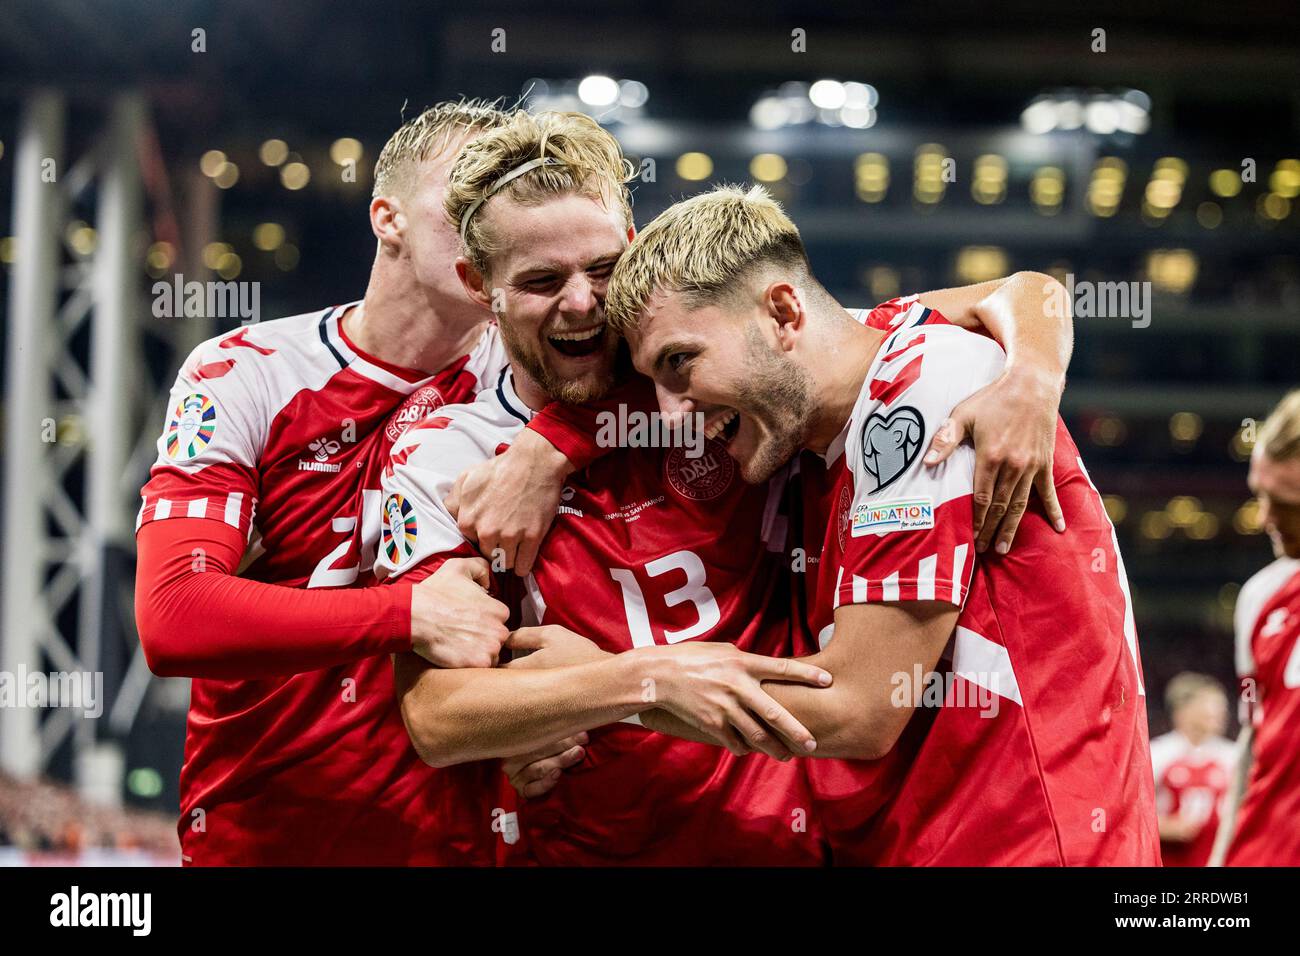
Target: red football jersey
point(1039, 752)
point(650, 546)
point(1191, 781)
point(281, 430)
point(1268, 660)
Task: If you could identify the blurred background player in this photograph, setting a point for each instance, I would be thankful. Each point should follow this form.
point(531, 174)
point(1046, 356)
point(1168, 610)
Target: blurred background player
point(1265, 830)
point(1193, 764)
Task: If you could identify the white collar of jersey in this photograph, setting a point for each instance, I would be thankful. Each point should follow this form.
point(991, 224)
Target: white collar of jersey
point(332, 333)
point(509, 398)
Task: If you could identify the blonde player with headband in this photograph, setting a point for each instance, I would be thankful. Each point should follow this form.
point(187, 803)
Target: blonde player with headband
point(541, 233)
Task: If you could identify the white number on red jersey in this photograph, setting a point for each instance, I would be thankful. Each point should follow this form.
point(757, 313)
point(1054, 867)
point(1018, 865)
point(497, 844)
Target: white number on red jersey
point(325, 574)
point(694, 590)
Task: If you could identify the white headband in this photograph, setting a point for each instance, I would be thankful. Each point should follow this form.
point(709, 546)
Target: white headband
point(507, 178)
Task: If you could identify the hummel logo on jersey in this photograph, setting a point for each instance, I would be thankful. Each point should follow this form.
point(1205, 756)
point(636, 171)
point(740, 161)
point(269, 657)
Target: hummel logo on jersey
point(322, 449)
point(890, 444)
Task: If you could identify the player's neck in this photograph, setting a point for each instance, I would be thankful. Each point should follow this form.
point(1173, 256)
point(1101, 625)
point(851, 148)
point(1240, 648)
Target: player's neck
point(1194, 737)
point(406, 324)
point(846, 358)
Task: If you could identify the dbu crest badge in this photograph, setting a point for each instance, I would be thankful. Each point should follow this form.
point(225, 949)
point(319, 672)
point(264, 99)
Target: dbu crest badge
point(890, 444)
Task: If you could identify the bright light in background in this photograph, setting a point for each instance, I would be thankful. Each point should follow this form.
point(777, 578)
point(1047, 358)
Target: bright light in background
point(828, 102)
point(1104, 114)
point(981, 263)
point(598, 90)
point(1039, 116)
point(1225, 183)
point(605, 98)
point(871, 175)
point(928, 185)
point(770, 112)
point(632, 94)
point(273, 152)
point(1101, 116)
point(227, 175)
point(345, 150)
point(1047, 189)
point(268, 236)
point(1285, 180)
point(768, 167)
point(827, 94)
point(211, 162)
point(694, 166)
point(1172, 270)
point(990, 182)
point(295, 175)
point(1106, 188)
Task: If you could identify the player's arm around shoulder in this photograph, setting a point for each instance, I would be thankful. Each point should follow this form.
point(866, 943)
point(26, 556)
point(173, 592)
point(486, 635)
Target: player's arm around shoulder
point(1012, 421)
point(455, 621)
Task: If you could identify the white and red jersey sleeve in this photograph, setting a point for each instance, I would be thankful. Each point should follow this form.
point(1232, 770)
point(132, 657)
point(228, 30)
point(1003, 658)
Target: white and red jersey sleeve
point(909, 530)
point(1268, 659)
point(417, 530)
point(212, 438)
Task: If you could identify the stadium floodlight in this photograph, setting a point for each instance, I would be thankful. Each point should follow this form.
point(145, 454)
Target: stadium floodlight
point(770, 112)
point(633, 94)
point(827, 94)
point(1101, 115)
point(1039, 116)
point(598, 90)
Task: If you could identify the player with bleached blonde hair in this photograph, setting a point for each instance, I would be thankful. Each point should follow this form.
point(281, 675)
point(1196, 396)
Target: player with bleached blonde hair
point(269, 467)
point(541, 205)
point(1038, 727)
point(1263, 826)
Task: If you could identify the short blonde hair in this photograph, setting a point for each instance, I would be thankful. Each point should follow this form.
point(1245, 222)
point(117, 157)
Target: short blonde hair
point(1185, 687)
point(426, 136)
point(1279, 436)
point(701, 246)
point(587, 160)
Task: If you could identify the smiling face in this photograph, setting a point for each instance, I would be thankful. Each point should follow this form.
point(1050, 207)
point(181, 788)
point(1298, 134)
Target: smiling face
point(728, 362)
point(1276, 485)
point(547, 282)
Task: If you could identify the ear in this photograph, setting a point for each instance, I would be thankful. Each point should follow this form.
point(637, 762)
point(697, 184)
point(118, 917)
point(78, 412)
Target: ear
point(474, 282)
point(388, 221)
point(784, 305)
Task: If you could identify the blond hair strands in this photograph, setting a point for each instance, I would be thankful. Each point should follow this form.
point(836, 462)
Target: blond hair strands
point(532, 159)
point(427, 135)
point(1279, 436)
point(1184, 687)
point(702, 246)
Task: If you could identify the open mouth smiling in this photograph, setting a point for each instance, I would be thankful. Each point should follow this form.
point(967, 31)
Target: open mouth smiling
point(579, 342)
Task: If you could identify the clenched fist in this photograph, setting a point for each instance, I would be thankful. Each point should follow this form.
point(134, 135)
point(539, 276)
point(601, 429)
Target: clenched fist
point(454, 621)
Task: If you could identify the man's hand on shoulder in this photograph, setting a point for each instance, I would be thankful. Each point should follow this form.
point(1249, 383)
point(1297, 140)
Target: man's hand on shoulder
point(507, 504)
point(1012, 424)
point(455, 622)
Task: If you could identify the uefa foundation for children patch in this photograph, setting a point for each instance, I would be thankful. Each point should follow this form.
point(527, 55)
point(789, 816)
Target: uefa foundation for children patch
point(908, 514)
